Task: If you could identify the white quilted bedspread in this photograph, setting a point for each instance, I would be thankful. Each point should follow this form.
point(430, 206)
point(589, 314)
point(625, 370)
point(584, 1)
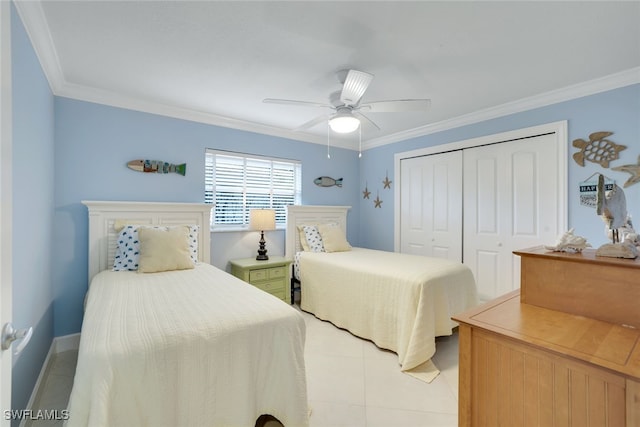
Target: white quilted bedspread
point(400, 302)
point(187, 348)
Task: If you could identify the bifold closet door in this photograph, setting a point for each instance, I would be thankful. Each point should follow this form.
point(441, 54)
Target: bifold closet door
point(431, 205)
point(510, 203)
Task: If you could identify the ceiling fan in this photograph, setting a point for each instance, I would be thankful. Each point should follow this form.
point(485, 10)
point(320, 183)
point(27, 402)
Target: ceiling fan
point(346, 105)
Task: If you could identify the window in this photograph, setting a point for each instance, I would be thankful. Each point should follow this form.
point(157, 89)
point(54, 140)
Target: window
point(237, 183)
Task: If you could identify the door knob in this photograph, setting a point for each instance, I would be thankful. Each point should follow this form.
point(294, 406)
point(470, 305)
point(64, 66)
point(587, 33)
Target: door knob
point(10, 334)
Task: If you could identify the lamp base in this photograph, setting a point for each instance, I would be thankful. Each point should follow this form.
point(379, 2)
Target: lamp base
point(262, 251)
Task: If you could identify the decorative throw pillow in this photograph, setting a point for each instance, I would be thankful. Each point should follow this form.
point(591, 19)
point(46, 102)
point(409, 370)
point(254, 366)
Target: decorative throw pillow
point(193, 242)
point(164, 250)
point(127, 249)
point(314, 240)
point(333, 238)
point(128, 246)
point(303, 239)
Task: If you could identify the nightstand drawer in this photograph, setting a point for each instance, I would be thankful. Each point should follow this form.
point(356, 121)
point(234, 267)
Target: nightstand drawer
point(267, 273)
point(271, 287)
point(257, 275)
point(277, 272)
point(280, 293)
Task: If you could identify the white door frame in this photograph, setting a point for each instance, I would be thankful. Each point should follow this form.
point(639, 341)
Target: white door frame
point(5, 202)
point(559, 128)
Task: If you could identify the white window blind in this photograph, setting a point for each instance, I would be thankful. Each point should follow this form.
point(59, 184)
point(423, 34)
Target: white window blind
point(237, 183)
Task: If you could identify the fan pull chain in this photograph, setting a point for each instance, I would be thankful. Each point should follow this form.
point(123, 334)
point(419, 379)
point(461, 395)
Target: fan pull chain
point(328, 134)
point(360, 141)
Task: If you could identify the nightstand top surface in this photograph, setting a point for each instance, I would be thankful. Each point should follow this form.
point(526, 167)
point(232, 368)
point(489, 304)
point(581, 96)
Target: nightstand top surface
point(253, 262)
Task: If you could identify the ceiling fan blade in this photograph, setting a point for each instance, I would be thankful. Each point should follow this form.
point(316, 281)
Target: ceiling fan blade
point(355, 86)
point(397, 106)
point(311, 123)
point(296, 103)
point(362, 117)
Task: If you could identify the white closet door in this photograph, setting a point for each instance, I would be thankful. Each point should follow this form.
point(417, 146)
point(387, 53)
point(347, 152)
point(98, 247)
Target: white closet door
point(510, 203)
point(431, 205)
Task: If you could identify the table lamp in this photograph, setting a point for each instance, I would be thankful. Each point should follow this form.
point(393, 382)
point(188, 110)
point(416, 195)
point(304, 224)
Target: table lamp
point(262, 220)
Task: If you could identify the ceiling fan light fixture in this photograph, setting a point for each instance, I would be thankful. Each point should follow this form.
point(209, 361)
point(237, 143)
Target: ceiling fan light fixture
point(344, 123)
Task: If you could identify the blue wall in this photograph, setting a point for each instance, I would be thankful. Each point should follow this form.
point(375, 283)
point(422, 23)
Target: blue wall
point(616, 111)
point(33, 194)
point(93, 145)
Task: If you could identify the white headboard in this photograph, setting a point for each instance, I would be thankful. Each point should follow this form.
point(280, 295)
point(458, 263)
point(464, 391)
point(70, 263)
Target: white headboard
point(103, 216)
point(309, 215)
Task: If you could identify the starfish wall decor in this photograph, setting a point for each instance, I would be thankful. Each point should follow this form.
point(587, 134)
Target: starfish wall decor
point(377, 202)
point(632, 169)
point(387, 182)
point(366, 193)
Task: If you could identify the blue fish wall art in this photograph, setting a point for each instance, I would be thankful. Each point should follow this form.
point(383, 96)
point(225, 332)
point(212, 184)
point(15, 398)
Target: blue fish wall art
point(326, 181)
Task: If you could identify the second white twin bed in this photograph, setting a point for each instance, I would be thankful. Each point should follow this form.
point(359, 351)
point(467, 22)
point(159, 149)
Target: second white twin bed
point(400, 302)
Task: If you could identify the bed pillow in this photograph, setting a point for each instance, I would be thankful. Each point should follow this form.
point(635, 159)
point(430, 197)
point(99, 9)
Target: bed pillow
point(333, 238)
point(303, 239)
point(164, 250)
point(128, 246)
point(119, 224)
point(314, 240)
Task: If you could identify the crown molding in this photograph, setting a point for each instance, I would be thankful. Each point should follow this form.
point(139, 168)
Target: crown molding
point(103, 97)
point(37, 28)
point(39, 33)
point(591, 87)
point(113, 99)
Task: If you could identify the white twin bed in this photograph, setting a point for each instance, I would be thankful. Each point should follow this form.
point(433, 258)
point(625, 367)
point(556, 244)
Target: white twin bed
point(400, 302)
point(191, 347)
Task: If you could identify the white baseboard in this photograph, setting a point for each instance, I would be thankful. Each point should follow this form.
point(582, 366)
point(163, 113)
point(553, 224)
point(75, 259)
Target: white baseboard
point(58, 345)
point(66, 342)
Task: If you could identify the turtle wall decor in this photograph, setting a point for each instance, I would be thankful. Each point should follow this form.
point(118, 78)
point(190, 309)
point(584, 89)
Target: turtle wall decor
point(597, 149)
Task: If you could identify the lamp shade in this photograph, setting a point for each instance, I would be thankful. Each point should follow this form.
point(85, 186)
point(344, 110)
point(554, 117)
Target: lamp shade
point(262, 219)
point(344, 123)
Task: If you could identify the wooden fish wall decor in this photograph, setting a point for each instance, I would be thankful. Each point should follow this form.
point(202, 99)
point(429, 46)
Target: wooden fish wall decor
point(597, 149)
point(326, 181)
point(157, 166)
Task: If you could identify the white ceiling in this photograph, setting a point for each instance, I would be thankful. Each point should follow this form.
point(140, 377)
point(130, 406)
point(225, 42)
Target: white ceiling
point(215, 61)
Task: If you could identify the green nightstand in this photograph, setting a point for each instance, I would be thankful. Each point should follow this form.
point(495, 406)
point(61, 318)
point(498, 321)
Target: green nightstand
point(271, 276)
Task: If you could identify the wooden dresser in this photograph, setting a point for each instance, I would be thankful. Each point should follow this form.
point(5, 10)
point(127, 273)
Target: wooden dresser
point(564, 350)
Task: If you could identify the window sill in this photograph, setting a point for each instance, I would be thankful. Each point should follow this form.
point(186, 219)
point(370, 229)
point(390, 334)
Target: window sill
point(240, 229)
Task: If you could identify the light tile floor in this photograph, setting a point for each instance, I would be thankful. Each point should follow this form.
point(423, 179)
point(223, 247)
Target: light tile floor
point(350, 382)
point(55, 387)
